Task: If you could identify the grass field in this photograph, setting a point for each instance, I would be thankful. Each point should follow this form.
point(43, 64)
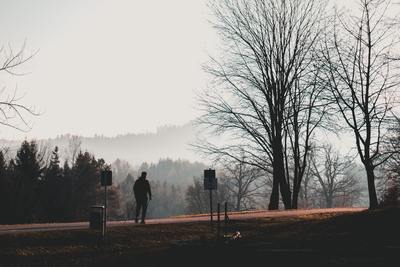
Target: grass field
point(369, 238)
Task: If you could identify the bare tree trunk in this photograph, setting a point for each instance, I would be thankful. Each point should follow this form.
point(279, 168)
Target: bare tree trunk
point(373, 199)
point(295, 197)
point(279, 173)
point(329, 202)
point(277, 176)
point(274, 198)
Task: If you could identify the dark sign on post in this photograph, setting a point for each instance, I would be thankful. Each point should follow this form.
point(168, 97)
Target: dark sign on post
point(106, 178)
point(210, 182)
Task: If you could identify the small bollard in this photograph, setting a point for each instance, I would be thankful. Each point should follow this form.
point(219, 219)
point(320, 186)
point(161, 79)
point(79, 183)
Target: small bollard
point(96, 217)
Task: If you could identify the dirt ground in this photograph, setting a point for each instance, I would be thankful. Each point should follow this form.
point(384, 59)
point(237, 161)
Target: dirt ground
point(366, 238)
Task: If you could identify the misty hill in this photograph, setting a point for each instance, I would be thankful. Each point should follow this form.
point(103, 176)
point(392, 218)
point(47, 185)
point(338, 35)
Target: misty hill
point(167, 142)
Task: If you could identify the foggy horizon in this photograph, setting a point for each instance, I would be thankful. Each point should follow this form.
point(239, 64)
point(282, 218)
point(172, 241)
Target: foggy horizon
point(152, 131)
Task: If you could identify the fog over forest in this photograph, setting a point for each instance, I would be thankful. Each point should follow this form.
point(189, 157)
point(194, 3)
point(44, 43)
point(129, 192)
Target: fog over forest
point(167, 142)
point(175, 169)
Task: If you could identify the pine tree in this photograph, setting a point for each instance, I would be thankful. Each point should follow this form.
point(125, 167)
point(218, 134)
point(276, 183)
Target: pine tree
point(54, 194)
point(85, 175)
point(28, 172)
point(5, 203)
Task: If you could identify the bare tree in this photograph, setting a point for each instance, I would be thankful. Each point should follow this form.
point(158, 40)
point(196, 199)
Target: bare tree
point(393, 146)
point(363, 71)
point(12, 112)
point(243, 182)
point(389, 184)
point(307, 192)
point(121, 169)
point(307, 109)
point(268, 53)
point(198, 200)
point(45, 152)
point(336, 183)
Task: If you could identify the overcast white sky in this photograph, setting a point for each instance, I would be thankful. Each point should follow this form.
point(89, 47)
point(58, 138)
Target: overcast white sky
point(107, 67)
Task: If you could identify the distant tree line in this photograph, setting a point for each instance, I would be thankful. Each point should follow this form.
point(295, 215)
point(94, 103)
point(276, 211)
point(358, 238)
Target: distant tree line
point(39, 185)
point(33, 189)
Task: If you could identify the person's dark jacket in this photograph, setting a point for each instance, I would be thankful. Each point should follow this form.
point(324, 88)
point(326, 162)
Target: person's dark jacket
point(141, 188)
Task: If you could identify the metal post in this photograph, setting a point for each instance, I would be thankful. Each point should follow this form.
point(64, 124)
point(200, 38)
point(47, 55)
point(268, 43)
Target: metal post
point(211, 208)
point(218, 219)
point(226, 217)
point(105, 212)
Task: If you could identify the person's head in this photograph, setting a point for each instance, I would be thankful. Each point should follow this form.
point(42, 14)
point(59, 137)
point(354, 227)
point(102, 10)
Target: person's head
point(143, 175)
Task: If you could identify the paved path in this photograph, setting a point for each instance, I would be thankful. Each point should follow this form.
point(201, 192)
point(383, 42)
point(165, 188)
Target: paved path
point(24, 228)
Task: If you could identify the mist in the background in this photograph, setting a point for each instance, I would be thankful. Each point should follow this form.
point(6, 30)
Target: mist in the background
point(107, 67)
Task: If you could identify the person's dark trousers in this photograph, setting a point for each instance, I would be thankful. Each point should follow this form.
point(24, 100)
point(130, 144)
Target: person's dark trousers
point(141, 204)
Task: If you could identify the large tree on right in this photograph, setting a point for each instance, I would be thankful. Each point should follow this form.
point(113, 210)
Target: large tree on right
point(263, 97)
point(360, 61)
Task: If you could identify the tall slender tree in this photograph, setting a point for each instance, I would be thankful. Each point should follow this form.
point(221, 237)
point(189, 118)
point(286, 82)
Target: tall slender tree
point(362, 66)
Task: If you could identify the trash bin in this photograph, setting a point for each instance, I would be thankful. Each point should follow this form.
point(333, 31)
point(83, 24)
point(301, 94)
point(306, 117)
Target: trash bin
point(96, 217)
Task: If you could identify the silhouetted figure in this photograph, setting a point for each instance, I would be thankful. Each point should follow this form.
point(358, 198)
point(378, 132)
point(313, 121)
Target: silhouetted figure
point(141, 189)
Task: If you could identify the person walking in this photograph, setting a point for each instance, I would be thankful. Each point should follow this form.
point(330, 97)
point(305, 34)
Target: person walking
point(142, 189)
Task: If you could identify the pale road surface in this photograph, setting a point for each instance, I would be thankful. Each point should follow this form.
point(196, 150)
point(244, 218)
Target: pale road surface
point(24, 228)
